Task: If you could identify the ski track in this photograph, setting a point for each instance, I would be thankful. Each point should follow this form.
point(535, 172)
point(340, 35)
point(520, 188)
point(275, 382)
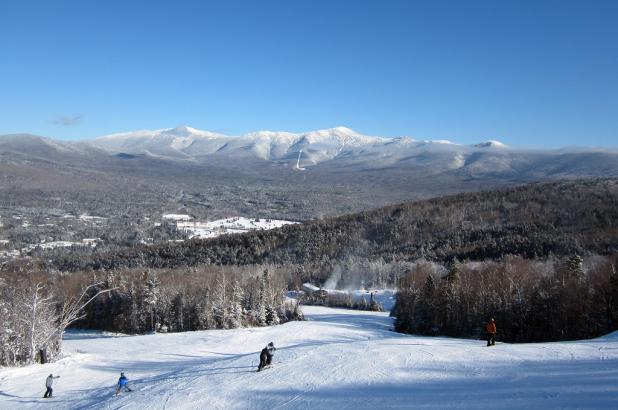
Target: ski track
point(337, 359)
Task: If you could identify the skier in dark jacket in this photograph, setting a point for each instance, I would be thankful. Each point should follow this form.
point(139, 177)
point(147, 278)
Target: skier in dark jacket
point(266, 356)
point(122, 383)
point(49, 382)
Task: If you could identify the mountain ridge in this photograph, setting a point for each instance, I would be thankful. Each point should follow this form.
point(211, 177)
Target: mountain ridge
point(330, 150)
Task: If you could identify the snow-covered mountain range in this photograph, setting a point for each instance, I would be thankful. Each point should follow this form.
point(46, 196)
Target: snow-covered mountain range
point(329, 150)
point(313, 147)
point(344, 147)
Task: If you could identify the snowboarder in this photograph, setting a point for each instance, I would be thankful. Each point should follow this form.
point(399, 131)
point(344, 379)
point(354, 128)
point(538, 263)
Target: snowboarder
point(266, 356)
point(122, 384)
point(49, 382)
point(491, 332)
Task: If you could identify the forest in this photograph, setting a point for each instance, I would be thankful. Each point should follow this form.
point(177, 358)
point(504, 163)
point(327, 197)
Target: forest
point(37, 308)
point(535, 220)
point(531, 300)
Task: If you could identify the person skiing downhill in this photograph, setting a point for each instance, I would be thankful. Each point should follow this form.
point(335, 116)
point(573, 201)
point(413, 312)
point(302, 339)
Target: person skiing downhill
point(266, 356)
point(122, 384)
point(491, 332)
point(49, 382)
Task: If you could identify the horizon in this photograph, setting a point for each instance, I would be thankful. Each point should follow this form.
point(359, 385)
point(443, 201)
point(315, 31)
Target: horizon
point(539, 75)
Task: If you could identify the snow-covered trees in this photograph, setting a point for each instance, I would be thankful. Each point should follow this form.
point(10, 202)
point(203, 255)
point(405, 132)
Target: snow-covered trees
point(37, 308)
point(30, 328)
point(269, 300)
point(415, 310)
point(265, 302)
point(40, 322)
point(220, 305)
point(238, 311)
point(29, 321)
point(531, 300)
point(35, 316)
point(151, 299)
point(179, 300)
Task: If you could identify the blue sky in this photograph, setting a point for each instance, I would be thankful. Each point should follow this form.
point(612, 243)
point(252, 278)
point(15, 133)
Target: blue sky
point(538, 73)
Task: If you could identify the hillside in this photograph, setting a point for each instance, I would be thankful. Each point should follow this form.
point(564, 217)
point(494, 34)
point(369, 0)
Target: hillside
point(338, 359)
point(558, 218)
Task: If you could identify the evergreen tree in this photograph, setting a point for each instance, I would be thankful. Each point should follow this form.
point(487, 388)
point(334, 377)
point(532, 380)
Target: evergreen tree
point(260, 310)
point(220, 303)
point(272, 315)
point(612, 306)
point(454, 268)
point(237, 313)
point(424, 320)
point(132, 309)
point(178, 304)
point(449, 300)
point(574, 266)
point(151, 299)
point(204, 315)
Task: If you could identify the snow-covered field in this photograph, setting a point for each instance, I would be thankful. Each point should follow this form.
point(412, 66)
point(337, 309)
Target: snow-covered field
point(338, 359)
point(236, 224)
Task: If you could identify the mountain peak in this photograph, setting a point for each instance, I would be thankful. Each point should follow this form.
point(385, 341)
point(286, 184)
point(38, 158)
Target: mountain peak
point(344, 130)
point(336, 131)
point(491, 144)
point(182, 130)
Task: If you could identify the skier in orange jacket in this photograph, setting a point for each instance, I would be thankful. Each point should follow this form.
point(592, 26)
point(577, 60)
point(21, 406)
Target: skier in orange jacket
point(491, 332)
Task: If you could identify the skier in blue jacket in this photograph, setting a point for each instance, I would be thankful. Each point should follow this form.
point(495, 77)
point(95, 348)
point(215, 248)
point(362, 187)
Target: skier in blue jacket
point(122, 383)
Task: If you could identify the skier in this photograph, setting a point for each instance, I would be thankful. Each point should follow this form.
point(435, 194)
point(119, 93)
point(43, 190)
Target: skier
point(270, 353)
point(49, 382)
point(491, 332)
point(266, 356)
point(122, 383)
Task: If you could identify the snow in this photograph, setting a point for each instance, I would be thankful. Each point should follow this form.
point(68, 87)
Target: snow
point(338, 359)
point(229, 225)
point(317, 146)
point(385, 297)
point(340, 146)
point(177, 217)
point(444, 142)
point(86, 217)
point(491, 144)
point(308, 287)
point(60, 244)
point(179, 131)
point(181, 142)
point(92, 242)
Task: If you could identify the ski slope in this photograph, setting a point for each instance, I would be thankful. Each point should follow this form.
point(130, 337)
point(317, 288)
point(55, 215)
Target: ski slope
point(337, 359)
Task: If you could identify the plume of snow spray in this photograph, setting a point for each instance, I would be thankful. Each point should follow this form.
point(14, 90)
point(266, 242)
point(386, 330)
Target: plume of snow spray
point(333, 279)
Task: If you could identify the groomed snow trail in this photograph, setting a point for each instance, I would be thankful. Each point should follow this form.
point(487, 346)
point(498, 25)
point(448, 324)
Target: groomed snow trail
point(337, 359)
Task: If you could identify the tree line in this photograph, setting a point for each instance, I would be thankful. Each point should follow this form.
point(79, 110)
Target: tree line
point(531, 300)
point(37, 308)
